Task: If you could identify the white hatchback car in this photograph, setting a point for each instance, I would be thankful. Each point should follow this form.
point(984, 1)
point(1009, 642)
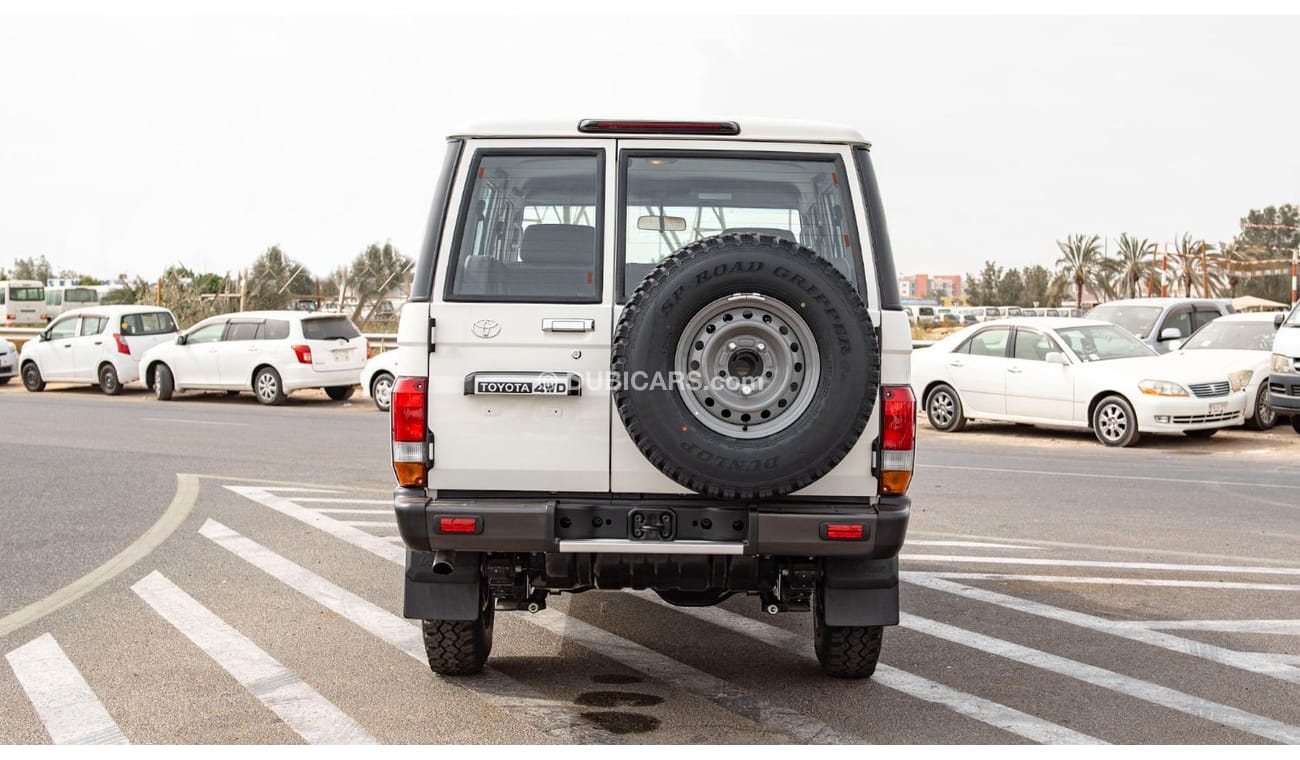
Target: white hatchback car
point(100, 345)
point(377, 378)
point(271, 353)
point(1078, 373)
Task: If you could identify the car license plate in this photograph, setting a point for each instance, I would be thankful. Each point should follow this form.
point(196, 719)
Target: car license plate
point(343, 354)
point(1217, 408)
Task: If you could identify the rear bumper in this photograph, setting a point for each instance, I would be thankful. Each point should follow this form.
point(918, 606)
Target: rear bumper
point(578, 524)
point(301, 376)
point(1284, 392)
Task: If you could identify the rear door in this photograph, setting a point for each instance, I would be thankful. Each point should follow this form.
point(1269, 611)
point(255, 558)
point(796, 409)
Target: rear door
point(239, 352)
point(88, 348)
point(518, 376)
point(144, 330)
point(336, 344)
point(979, 370)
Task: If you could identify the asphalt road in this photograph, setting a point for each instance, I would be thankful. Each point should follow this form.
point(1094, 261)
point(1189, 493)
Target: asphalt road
point(1055, 591)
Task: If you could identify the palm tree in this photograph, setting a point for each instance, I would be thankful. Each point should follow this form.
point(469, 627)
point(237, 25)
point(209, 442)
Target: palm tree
point(1188, 269)
point(1080, 262)
point(1131, 264)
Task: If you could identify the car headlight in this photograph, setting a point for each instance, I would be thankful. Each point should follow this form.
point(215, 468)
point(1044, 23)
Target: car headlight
point(1161, 388)
point(1281, 363)
point(1240, 379)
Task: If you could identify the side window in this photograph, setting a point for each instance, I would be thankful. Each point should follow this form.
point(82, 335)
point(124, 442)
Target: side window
point(64, 328)
point(1203, 316)
point(530, 230)
point(53, 298)
point(242, 331)
point(92, 325)
point(208, 333)
point(991, 342)
point(274, 329)
point(1032, 346)
point(1180, 318)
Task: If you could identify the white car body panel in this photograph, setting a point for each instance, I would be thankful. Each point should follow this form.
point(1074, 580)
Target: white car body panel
point(8, 359)
point(387, 361)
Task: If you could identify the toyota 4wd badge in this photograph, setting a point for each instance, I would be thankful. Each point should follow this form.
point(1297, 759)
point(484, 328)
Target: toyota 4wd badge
point(487, 328)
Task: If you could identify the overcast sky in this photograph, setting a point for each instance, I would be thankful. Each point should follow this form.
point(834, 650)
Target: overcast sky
point(131, 143)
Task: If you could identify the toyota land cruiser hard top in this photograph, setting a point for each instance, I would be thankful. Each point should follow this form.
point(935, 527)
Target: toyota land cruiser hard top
point(654, 355)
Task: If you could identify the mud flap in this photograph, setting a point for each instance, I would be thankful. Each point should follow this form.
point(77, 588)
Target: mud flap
point(858, 591)
point(454, 596)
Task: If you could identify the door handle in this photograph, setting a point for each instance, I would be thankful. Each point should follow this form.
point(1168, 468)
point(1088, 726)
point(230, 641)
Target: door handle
point(568, 325)
point(956, 364)
point(1014, 370)
point(99, 343)
point(67, 345)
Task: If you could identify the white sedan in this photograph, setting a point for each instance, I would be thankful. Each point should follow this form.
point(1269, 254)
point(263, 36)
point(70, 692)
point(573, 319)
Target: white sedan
point(1077, 373)
point(377, 378)
point(1246, 341)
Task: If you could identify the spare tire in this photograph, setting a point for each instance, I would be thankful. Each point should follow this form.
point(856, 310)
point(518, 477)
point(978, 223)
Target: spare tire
point(745, 366)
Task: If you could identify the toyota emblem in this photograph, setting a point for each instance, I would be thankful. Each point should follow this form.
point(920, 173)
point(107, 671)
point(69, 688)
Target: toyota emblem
point(487, 328)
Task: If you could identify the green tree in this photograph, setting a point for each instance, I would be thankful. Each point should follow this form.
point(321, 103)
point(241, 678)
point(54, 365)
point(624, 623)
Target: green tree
point(1036, 279)
point(1267, 234)
point(1011, 288)
point(373, 274)
point(276, 280)
point(1189, 269)
point(32, 269)
point(1080, 262)
point(1132, 264)
point(86, 279)
point(983, 289)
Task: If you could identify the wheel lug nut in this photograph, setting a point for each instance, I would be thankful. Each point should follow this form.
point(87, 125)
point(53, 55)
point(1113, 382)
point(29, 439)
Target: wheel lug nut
point(746, 390)
point(761, 346)
point(731, 346)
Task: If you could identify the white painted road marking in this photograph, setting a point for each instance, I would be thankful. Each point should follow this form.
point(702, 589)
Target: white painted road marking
point(390, 524)
point(602, 642)
point(972, 544)
point(1248, 661)
point(1101, 580)
point(1108, 476)
point(314, 717)
point(517, 700)
point(1287, 627)
point(336, 500)
point(997, 715)
point(355, 512)
point(1107, 679)
point(1043, 562)
point(71, 712)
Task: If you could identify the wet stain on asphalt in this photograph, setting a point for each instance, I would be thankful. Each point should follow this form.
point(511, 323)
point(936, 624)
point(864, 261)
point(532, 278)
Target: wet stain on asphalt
point(623, 722)
point(618, 678)
point(617, 699)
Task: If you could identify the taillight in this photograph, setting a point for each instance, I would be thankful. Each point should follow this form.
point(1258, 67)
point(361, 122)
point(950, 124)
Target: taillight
point(409, 426)
point(303, 353)
point(897, 439)
point(122, 347)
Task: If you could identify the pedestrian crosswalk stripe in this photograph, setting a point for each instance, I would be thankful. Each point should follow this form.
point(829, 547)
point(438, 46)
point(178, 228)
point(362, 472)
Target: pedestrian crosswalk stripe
point(311, 715)
point(551, 717)
point(70, 711)
point(986, 711)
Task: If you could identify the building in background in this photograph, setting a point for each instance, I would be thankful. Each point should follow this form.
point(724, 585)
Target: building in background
point(930, 286)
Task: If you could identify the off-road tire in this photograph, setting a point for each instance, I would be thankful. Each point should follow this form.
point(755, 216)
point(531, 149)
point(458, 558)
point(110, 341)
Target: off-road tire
point(108, 380)
point(267, 387)
point(340, 392)
point(847, 651)
point(1115, 423)
point(460, 647)
point(32, 379)
point(827, 417)
point(1264, 417)
point(943, 409)
point(1201, 433)
point(164, 385)
point(381, 390)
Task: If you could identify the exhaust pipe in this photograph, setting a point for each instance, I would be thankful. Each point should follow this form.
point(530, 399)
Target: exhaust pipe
point(444, 562)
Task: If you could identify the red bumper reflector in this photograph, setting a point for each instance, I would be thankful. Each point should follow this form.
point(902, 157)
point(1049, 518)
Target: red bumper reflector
point(843, 532)
point(458, 525)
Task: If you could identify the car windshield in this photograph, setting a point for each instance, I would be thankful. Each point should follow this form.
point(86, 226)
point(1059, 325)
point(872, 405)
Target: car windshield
point(1139, 320)
point(1293, 319)
point(1245, 336)
point(329, 328)
point(1095, 343)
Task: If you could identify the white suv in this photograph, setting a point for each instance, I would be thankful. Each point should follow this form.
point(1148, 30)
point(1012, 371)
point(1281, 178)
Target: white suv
point(665, 355)
point(271, 353)
point(100, 345)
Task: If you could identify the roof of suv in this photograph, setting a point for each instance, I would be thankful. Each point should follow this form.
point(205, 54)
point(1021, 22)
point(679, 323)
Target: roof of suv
point(1158, 301)
point(779, 130)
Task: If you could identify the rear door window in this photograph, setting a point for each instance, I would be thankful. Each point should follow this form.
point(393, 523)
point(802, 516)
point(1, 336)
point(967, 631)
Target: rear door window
point(274, 329)
point(242, 331)
point(148, 323)
point(329, 328)
point(92, 325)
point(674, 199)
point(530, 229)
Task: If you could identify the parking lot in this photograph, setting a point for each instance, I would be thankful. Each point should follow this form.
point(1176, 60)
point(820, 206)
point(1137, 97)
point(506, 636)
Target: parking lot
point(222, 572)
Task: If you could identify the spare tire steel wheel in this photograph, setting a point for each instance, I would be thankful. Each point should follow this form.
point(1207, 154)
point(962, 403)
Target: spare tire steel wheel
point(746, 366)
